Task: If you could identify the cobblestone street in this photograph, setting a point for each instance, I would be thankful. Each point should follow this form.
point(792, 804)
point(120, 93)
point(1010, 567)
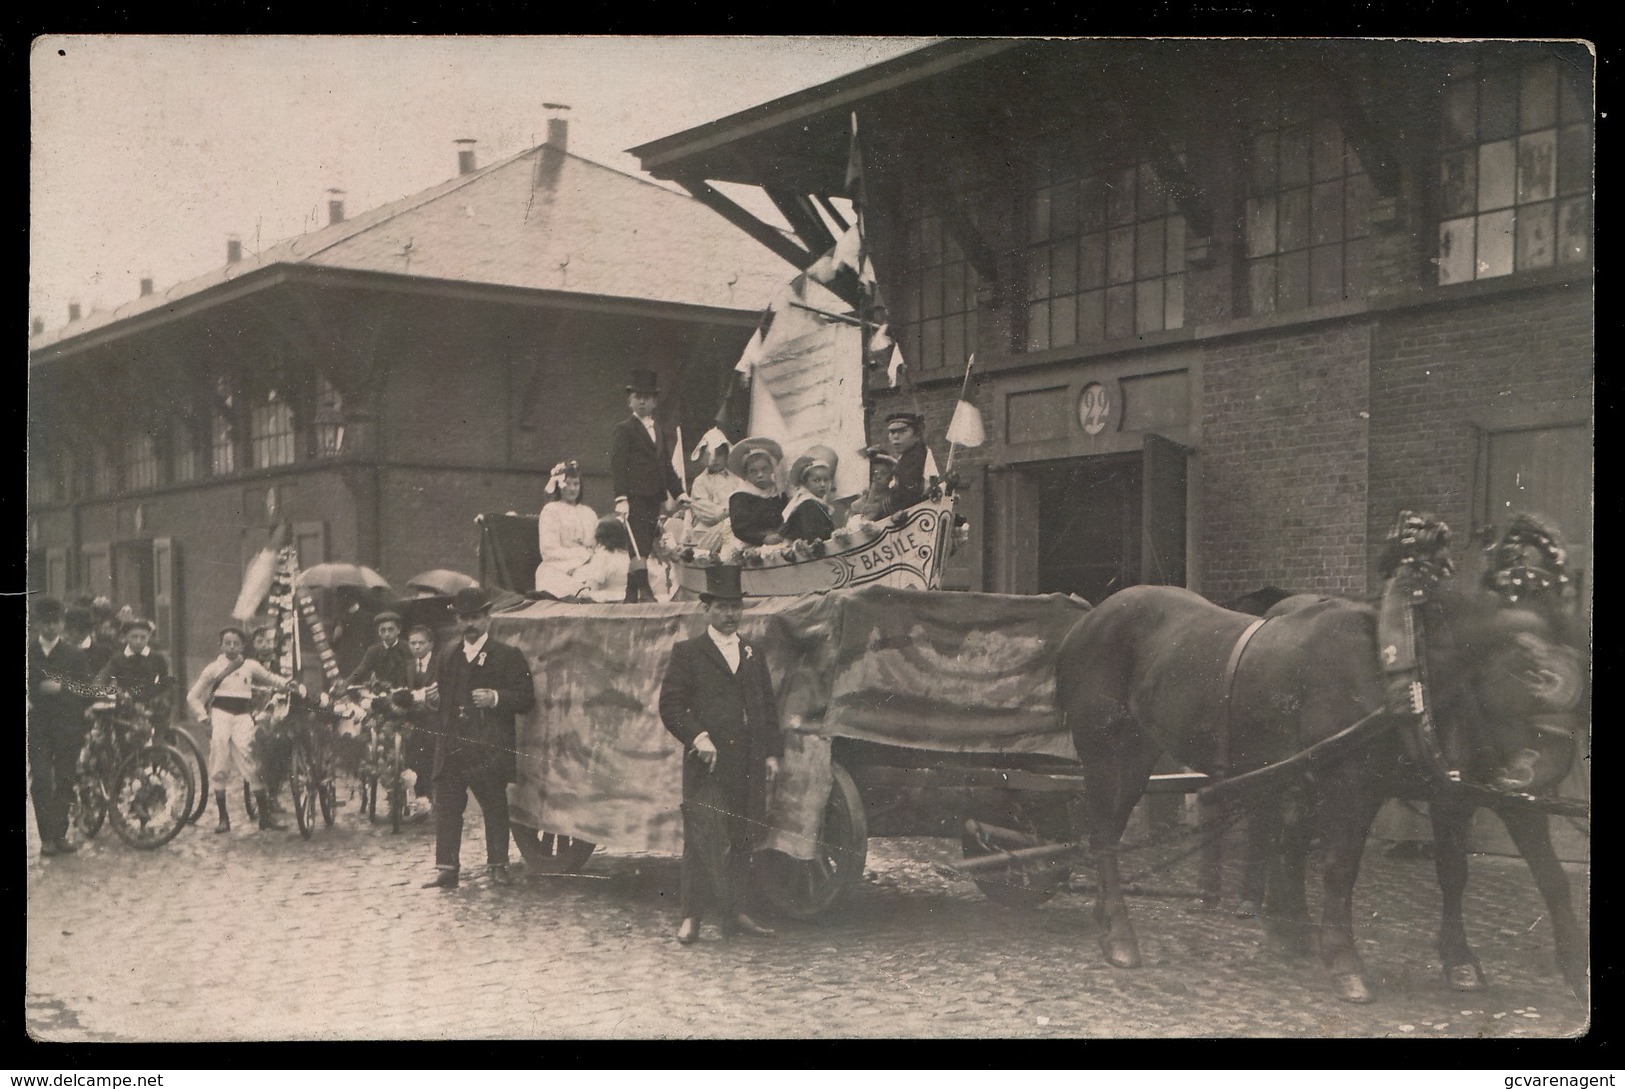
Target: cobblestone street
point(264, 936)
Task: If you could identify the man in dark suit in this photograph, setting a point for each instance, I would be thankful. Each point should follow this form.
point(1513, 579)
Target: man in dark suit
point(640, 464)
point(387, 660)
point(141, 671)
point(483, 685)
point(717, 699)
point(423, 679)
point(56, 723)
point(905, 434)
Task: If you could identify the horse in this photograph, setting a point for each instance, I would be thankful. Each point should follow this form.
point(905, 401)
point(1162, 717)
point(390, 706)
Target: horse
point(1159, 668)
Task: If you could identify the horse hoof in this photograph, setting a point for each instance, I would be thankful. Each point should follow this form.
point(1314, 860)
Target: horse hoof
point(1120, 955)
point(1351, 988)
point(1464, 977)
point(1247, 909)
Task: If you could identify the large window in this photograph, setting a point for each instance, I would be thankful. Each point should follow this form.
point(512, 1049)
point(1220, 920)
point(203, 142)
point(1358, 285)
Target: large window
point(1307, 213)
point(223, 430)
point(140, 462)
point(329, 418)
point(938, 313)
point(1105, 255)
point(1514, 171)
point(270, 431)
point(103, 471)
point(185, 464)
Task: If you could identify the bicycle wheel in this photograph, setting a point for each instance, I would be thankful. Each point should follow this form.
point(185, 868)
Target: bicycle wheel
point(188, 746)
point(302, 783)
point(151, 797)
point(89, 806)
point(324, 775)
point(397, 786)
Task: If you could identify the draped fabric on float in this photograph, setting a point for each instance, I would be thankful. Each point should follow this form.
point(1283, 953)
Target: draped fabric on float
point(956, 672)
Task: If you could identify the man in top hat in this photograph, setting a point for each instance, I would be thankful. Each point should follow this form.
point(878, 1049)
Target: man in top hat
point(717, 699)
point(905, 434)
point(640, 464)
point(56, 723)
point(140, 670)
point(483, 685)
point(387, 660)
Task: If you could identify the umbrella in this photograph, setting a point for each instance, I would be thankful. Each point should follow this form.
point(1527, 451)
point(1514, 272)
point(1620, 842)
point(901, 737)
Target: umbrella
point(332, 576)
point(441, 581)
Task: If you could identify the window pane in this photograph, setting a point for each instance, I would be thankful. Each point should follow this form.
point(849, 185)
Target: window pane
point(1176, 244)
point(1568, 97)
point(1261, 170)
point(1153, 194)
point(1456, 242)
point(1574, 232)
point(1091, 205)
point(1574, 160)
point(1063, 323)
point(1091, 317)
point(1174, 303)
point(953, 289)
point(1063, 268)
point(931, 292)
point(1326, 275)
point(931, 240)
point(1294, 157)
point(1261, 286)
point(1260, 226)
point(1498, 106)
point(1038, 273)
point(1120, 197)
point(1357, 202)
point(1328, 150)
point(953, 341)
point(1092, 261)
point(1148, 249)
point(930, 345)
point(1120, 255)
point(1458, 182)
point(1537, 166)
point(1538, 108)
point(1494, 244)
point(1293, 288)
point(1356, 269)
point(1460, 114)
point(1148, 306)
point(1119, 312)
point(1496, 164)
point(1037, 326)
point(1294, 220)
point(1063, 211)
point(1327, 214)
point(1535, 235)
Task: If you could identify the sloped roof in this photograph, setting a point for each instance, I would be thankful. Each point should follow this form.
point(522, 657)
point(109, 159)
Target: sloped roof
point(543, 219)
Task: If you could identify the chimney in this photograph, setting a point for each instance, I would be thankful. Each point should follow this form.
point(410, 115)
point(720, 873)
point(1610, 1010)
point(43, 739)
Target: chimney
point(465, 155)
point(551, 158)
point(36, 327)
point(335, 206)
point(234, 249)
point(73, 310)
point(146, 284)
point(558, 126)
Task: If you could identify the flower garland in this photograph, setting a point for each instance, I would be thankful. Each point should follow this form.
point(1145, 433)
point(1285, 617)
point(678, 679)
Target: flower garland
point(1419, 542)
point(1510, 573)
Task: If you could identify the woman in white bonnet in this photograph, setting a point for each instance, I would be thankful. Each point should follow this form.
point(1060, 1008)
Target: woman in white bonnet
point(564, 530)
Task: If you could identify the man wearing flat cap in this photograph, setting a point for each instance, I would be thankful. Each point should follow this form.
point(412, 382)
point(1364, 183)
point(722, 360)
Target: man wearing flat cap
point(483, 685)
point(905, 434)
point(717, 699)
point(640, 464)
point(56, 722)
point(140, 670)
point(387, 661)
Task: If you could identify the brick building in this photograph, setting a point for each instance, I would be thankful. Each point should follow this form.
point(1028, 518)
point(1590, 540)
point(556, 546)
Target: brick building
point(1233, 303)
point(376, 382)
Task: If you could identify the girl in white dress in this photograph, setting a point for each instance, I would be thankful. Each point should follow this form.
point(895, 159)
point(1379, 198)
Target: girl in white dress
point(602, 575)
point(564, 529)
point(709, 494)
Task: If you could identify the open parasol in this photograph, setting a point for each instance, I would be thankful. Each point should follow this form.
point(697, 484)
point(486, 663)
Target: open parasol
point(333, 576)
point(441, 581)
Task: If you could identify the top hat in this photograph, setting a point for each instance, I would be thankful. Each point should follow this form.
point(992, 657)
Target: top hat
point(722, 584)
point(471, 601)
point(137, 622)
point(47, 608)
point(386, 615)
point(913, 419)
point(815, 455)
point(644, 382)
point(755, 445)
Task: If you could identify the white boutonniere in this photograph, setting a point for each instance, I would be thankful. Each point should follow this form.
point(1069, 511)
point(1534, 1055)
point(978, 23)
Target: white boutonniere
point(749, 652)
point(480, 661)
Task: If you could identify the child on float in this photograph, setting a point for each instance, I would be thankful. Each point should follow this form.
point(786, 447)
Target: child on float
point(809, 515)
point(565, 529)
point(756, 508)
point(601, 576)
point(709, 493)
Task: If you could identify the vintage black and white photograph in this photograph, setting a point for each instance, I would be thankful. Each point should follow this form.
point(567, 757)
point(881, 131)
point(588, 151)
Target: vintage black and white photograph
point(644, 538)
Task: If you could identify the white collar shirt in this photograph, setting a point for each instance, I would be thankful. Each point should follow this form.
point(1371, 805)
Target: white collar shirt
point(472, 650)
point(728, 645)
point(128, 653)
point(648, 423)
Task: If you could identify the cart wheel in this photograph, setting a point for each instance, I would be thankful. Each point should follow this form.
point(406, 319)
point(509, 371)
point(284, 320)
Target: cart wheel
point(1022, 886)
point(805, 890)
point(304, 787)
point(568, 855)
point(151, 797)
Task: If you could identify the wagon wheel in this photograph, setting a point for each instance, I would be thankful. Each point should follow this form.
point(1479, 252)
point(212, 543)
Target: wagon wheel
point(1022, 886)
point(805, 890)
point(567, 855)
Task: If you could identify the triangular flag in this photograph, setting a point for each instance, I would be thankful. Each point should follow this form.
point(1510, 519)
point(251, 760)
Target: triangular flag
point(677, 457)
point(931, 470)
point(895, 367)
point(965, 429)
point(752, 354)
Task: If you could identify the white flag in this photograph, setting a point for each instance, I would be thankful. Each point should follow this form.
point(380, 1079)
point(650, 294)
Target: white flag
point(894, 367)
point(677, 457)
point(965, 429)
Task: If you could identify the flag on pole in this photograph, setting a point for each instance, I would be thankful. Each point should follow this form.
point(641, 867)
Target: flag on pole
point(677, 457)
point(854, 168)
point(965, 429)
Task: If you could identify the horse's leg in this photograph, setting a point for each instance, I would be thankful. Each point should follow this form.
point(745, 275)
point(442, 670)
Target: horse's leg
point(1532, 834)
point(1450, 825)
point(1286, 911)
point(1347, 809)
point(1212, 819)
point(1262, 844)
point(1114, 780)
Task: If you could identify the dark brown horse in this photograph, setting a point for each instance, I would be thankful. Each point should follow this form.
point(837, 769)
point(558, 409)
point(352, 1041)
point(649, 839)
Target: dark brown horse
point(1146, 671)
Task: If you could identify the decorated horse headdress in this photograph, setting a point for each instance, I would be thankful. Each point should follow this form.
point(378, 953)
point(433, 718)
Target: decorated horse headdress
point(1419, 543)
point(1529, 558)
